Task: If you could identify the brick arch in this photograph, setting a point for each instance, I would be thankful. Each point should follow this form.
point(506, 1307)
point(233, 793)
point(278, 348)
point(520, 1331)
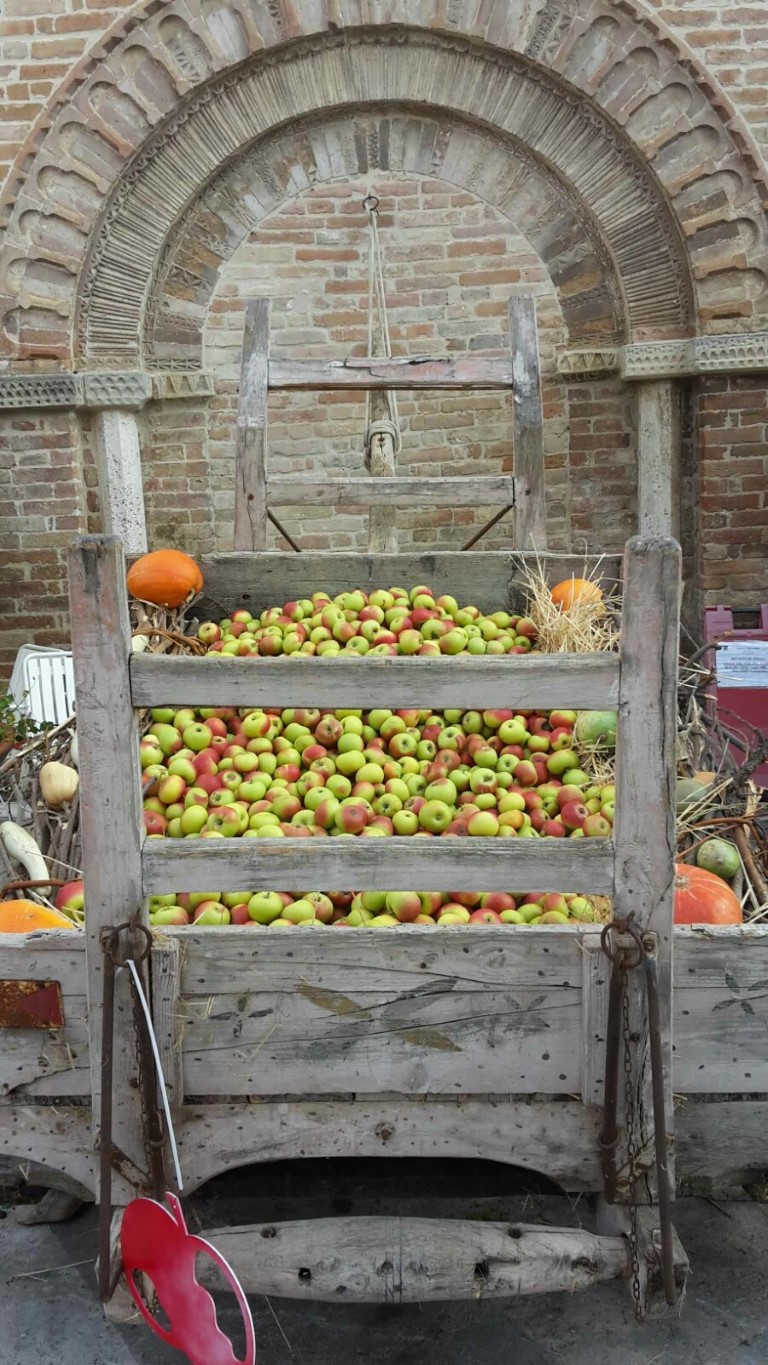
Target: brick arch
point(643, 104)
point(407, 141)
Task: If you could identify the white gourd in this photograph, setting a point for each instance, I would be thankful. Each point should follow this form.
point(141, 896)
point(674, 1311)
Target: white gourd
point(22, 848)
point(58, 783)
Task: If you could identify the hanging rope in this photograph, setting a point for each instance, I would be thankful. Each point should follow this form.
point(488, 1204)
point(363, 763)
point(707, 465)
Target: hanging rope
point(376, 429)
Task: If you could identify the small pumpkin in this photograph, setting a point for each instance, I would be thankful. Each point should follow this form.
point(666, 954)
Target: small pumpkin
point(703, 898)
point(23, 917)
point(575, 590)
point(164, 577)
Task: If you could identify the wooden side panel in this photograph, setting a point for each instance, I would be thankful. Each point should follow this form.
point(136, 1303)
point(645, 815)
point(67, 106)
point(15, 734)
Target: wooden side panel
point(485, 578)
point(528, 439)
point(720, 1004)
point(398, 372)
point(47, 1062)
point(583, 681)
point(409, 1015)
point(380, 492)
point(58, 1137)
point(110, 809)
point(250, 450)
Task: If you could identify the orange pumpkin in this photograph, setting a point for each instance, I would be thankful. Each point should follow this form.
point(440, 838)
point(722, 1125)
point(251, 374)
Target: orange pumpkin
point(22, 917)
point(165, 578)
point(573, 590)
point(703, 898)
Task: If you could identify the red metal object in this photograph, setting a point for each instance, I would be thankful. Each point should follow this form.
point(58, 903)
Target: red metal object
point(156, 1242)
point(31, 1004)
point(741, 674)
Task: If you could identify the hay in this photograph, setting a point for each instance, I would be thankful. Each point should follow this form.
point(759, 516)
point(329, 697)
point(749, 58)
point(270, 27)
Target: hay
point(583, 628)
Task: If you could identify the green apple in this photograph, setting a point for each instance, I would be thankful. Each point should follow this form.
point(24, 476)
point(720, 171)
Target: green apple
point(265, 906)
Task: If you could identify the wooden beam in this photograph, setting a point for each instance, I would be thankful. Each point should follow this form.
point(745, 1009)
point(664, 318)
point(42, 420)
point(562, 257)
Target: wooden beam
point(110, 819)
point(528, 433)
point(391, 864)
point(644, 831)
point(414, 1260)
point(121, 491)
point(400, 372)
point(464, 491)
point(251, 445)
point(658, 458)
point(580, 681)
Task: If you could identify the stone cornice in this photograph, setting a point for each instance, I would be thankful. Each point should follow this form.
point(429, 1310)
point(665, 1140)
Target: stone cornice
point(735, 353)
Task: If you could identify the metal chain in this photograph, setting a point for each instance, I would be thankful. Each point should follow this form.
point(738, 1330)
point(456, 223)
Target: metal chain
point(632, 1151)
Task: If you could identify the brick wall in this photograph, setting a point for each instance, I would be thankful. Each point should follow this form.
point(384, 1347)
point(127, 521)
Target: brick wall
point(42, 506)
point(733, 492)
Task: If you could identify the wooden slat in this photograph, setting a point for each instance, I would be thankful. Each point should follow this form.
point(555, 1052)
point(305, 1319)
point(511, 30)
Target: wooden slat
point(528, 436)
point(578, 681)
point(57, 1136)
point(250, 450)
point(596, 975)
point(486, 490)
point(380, 463)
point(218, 1137)
point(644, 832)
point(400, 372)
point(488, 579)
point(720, 1003)
point(48, 1063)
point(110, 810)
point(166, 1014)
point(215, 962)
point(414, 1260)
point(397, 864)
point(50, 955)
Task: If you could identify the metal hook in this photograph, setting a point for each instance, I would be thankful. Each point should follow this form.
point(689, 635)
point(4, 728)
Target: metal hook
point(371, 203)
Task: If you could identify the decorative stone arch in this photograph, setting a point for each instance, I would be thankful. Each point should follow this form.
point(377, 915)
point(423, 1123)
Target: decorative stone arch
point(595, 93)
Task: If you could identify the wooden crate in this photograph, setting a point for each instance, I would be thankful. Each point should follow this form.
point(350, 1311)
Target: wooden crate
point(423, 1041)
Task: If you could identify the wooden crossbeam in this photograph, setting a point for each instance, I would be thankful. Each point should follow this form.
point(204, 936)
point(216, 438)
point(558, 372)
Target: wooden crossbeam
point(462, 491)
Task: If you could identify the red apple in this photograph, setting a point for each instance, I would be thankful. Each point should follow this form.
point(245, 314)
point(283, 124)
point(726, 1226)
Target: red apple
point(71, 896)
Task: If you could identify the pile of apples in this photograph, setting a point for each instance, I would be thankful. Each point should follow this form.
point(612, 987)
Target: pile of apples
point(386, 621)
point(369, 909)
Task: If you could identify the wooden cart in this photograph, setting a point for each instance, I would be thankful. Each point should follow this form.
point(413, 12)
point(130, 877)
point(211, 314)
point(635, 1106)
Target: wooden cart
point(486, 1044)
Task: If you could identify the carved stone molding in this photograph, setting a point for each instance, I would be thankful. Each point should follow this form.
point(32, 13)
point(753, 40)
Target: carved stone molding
point(594, 363)
point(127, 389)
point(739, 353)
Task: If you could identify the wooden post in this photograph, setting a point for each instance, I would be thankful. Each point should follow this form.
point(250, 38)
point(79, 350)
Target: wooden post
point(658, 458)
point(251, 447)
point(382, 517)
point(644, 832)
point(528, 436)
point(121, 493)
point(110, 818)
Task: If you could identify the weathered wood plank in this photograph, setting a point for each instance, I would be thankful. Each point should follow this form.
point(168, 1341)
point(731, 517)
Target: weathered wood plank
point(721, 956)
point(166, 1012)
point(644, 832)
point(50, 955)
point(401, 865)
point(110, 808)
point(462, 491)
point(380, 463)
point(721, 1041)
point(486, 579)
point(658, 458)
point(397, 372)
point(309, 1040)
point(250, 448)
point(57, 1136)
point(714, 1138)
point(577, 681)
point(556, 1137)
point(528, 437)
point(596, 975)
point(48, 1061)
point(414, 1260)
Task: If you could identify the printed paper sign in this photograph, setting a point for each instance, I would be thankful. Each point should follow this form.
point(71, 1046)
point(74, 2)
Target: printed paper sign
point(742, 663)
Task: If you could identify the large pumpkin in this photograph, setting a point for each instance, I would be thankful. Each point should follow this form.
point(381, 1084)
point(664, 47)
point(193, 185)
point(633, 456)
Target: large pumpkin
point(23, 916)
point(573, 590)
point(703, 898)
point(164, 577)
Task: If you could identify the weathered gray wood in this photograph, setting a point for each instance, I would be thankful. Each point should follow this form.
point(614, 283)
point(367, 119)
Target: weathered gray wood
point(50, 1062)
point(528, 435)
point(644, 831)
point(118, 462)
point(658, 458)
point(58, 1136)
point(215, 962)
point(713, 1139)
point(251, 446)
point(49, 955)
point(56, 1206)
point(487, 579)
point(558, 1138)
point(596, 975)
point(613, 1220)
point(413, 1040)
point(397, 372)
point(380, 463)
point(581, 681)
point(110, 809)
point(380, 491)
point(166, 1012)
point(394, 864)
point(720, 1006)
point(414, 1260)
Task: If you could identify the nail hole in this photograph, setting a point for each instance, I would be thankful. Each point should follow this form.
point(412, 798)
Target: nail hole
point(482, 1270)
point(269, 1232)
point(305, 1274)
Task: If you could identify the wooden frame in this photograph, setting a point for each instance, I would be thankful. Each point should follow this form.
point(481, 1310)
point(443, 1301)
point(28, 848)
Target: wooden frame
point(255, 492)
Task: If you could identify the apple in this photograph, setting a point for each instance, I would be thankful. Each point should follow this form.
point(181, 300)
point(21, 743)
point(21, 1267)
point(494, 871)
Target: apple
point(224, 820)
point(485, 917)
point(170, 915)
point(404, 905)
point(484, 824)
point(71, 896)
point(435, 816)
point(595, 826)
point(210, 913)
point(573, 814)
point(498, 901)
